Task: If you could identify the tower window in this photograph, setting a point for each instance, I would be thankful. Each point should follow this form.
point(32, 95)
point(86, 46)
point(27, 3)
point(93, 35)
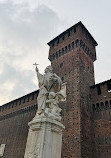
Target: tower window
point(65, 49)
point(32, 96)
point(102, 105)
point(53, 44)
point(77, 43)
point(62, 51)
point(63, 37)
point(58, 41)
point(81, 43)
point(19, 102)
point(56, 55)
point(109, 85)
point(106, 105)
point(98, 108)
point(69, 47)
point(99, 90)
point(28, 99)
point(23, 100)
point(53, 57)
point(74, 29)
point(94, 107)
point(83, 47)
point(68, 33)
point(72, 45)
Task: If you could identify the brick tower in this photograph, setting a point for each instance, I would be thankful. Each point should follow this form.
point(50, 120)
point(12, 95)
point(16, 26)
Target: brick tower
point(72, 54)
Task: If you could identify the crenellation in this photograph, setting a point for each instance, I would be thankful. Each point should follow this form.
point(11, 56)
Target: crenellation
point(18, 103)
point(74, 45)
point(61, 38)
point(25, 110)
point(100, 92)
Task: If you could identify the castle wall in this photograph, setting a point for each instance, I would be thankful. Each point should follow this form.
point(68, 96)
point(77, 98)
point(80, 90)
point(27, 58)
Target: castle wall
point(14, 118)
point(101, 107)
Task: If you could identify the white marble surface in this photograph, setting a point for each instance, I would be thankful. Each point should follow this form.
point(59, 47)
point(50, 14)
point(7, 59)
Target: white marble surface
point(2, 148)
point(44, 139)
point(51, 93)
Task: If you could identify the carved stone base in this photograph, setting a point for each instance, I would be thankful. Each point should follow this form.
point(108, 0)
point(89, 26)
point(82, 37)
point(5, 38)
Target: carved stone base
point(44, 139)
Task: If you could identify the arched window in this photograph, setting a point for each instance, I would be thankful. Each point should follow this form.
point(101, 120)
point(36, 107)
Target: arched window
point(65, 49)
point(106, 105)
point(33, 94)
point(69, 47)
point(94, 108)
point(58, 41)
point(83, 46)
point(74, 29)
point(81, 43)
point(98, 107)
point(56, 55)
point(102, 105)
point(23, 100)
point(72, 45)
point(77, 43)
point(27, 98)
point(53, 57)
point(68, 33)
point(86, 49)
point(19, 101)
point(63, 37)
point(62, 51)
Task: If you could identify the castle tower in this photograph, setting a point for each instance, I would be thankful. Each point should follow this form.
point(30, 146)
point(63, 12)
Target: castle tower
point(72, 54)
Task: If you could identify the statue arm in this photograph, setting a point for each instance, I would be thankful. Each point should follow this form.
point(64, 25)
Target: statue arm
point(39, 76)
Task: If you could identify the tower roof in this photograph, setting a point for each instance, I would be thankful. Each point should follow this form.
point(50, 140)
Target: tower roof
point(76, 25)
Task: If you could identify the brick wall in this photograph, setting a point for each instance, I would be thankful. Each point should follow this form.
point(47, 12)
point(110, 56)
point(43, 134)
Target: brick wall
point(14, 118)
point(101, 107)
point(72, 59)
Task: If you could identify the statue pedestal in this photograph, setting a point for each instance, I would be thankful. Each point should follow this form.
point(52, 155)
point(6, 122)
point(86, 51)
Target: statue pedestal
point(44, 138)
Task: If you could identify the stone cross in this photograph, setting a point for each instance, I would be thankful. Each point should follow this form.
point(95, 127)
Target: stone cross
point(35, 64)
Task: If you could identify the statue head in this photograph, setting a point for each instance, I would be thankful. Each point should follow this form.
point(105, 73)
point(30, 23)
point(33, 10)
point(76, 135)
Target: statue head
point(48, 69)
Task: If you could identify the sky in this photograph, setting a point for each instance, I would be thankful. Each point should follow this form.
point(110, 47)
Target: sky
point(26, 26)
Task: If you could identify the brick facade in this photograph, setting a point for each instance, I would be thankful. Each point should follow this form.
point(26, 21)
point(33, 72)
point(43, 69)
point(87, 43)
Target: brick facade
point(86, 113)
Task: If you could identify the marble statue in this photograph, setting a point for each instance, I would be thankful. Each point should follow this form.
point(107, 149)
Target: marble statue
point(50, 94)
point(45, 130)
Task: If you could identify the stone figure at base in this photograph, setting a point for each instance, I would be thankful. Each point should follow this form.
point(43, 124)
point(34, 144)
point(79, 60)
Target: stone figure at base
point(49, 94)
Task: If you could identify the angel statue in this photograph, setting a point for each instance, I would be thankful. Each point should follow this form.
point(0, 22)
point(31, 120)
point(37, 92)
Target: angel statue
point(50, 93)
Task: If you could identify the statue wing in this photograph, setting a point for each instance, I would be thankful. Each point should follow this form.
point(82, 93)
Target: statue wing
point(63, 92)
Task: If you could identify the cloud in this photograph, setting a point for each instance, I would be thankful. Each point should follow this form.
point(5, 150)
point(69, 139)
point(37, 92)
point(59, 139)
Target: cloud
point(25, 25)
point(24, 32)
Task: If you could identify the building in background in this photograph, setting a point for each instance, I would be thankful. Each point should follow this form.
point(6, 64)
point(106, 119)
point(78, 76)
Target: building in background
point(86, 113)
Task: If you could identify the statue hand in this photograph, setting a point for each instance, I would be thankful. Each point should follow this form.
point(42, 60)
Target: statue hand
point(36, 69)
